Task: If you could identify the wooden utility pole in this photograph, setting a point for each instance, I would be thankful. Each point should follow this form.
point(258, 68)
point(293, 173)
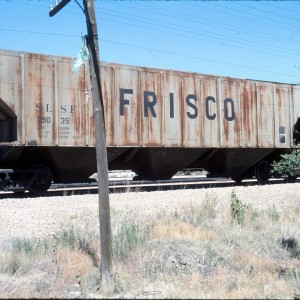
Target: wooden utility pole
point(104, 211)
point(101, 152)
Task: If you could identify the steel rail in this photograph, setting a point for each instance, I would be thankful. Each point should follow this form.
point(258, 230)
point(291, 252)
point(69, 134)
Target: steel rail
point(128, 185)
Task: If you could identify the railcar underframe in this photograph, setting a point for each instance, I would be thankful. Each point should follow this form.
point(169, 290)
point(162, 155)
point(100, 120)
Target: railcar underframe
point(35, 168)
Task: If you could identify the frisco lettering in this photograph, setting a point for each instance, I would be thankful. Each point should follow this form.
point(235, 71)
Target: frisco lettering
point(150, 100)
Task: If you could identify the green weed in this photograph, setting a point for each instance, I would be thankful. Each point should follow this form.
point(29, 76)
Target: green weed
point(129, 236)
point(237, 209)
point(209, 207)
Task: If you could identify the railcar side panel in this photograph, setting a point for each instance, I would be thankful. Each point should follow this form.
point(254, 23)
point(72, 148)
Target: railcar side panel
point(248, 113)
point(191, 115)
point(282, 117)
point(71, 105)
point(40, 106)
point(88, 99)
point(34, 100)
point(150, 92)
point(210, 113)
point(265, 113)
point(230, 116)
point(172, 106)
point(191, 111)
point(127, 107)
point(110, 105)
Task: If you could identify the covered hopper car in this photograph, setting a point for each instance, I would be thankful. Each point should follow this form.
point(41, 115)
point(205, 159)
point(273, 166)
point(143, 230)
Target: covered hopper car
point(157, 122)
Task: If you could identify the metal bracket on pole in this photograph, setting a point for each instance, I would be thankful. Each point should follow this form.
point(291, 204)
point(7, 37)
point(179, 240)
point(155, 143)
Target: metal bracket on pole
point(58, 7)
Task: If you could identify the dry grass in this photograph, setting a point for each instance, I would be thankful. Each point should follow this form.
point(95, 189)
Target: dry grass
point(202, 250)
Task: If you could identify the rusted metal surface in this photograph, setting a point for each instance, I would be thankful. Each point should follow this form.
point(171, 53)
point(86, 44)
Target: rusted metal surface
point(144, 107)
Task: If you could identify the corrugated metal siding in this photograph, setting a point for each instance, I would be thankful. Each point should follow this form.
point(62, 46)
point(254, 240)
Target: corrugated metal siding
point(127, 107)
point(72, 105)
point(172, 106)
point(110, 106)
point(248, 114)
point(144, 107)
point(210, 113)
point(39, 90)
point(282, 117)
point(152, 106)
point(191, 111)
point(230, 115)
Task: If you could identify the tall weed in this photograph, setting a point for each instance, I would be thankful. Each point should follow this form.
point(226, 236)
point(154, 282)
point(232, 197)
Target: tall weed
point(130, 235)
point(237, 209)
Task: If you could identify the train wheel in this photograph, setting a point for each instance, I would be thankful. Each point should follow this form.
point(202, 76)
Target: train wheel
point(42, 181)
point(263, 172)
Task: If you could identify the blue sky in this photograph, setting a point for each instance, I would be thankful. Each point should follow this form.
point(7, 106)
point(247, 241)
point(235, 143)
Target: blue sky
point(243, 39)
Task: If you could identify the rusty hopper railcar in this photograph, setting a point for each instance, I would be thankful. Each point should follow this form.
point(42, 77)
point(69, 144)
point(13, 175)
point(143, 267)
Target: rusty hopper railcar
point(157, 122)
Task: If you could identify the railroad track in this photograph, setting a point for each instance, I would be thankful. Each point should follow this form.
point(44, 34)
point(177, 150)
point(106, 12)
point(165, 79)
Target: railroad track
point(128, 185)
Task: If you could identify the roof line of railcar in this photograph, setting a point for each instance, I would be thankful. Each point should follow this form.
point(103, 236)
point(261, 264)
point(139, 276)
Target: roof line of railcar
point(170, 71)
point(151, 69)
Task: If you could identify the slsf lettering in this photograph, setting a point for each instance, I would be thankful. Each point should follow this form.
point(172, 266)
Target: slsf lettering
point(47, 108)
point(150, 101)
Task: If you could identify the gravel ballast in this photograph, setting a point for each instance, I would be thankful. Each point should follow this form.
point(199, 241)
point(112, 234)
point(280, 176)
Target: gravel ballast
point(44, 216)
